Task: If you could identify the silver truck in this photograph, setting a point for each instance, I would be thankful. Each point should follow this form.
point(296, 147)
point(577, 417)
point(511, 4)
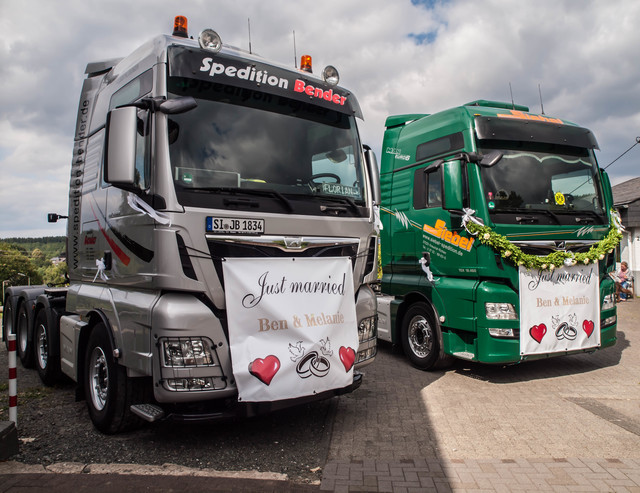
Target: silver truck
point(221, 238)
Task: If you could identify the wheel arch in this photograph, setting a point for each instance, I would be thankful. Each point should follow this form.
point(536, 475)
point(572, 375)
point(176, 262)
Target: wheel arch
point(408, 300)
point(95, 317)
point(411, 299)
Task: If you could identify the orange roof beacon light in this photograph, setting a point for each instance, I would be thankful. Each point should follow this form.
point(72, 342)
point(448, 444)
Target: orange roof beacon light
point(210, 40)
point(305, 63)
point(180, 26)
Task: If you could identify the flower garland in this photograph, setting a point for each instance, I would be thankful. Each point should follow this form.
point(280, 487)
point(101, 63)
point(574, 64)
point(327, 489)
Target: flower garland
point(508, 250)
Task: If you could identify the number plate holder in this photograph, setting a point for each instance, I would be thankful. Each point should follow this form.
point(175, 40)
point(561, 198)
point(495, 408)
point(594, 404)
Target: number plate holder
point(234, 226)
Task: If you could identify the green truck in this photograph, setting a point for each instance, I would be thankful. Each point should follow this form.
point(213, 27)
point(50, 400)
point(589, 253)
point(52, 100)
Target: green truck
point(498, 235)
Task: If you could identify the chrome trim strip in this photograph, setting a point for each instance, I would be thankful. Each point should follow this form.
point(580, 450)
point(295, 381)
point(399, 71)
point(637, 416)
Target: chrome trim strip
point(286, 243)
point(552, 245)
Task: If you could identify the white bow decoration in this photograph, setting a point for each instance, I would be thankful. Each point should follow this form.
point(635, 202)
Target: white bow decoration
point(100, 272)
point(617, 220)
point(137, 204)
point(469, 217)
point(425, 268)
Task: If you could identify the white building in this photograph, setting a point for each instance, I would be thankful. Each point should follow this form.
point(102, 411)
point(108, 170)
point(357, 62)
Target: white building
point(626, 199)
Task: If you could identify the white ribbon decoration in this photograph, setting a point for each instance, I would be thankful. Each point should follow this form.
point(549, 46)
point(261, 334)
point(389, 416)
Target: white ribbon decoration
point(425, 268)
point(101, 268)
point(137, 204)
point(617, 220)
point(376, 216)
point(469, 216)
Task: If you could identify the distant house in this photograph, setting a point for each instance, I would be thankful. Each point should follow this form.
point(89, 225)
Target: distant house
point(626, 199)
point(59, 260)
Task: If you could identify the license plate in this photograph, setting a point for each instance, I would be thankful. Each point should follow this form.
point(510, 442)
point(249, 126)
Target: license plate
point(232, 225)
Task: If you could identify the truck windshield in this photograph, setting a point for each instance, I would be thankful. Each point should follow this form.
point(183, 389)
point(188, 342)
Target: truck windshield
point(245, 142)
point(546, 184)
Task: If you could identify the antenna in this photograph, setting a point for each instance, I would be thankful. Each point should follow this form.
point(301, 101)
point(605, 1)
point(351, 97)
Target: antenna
point(541, 105)
point(513, 105)
point(295, 54)
point(249, 26)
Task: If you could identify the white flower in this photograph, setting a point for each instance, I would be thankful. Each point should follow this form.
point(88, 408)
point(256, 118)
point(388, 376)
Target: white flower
point(586, 261)
point(551, 266)
point(601, 257)
point(486, 236)
point(507, 253)
point(543, 266)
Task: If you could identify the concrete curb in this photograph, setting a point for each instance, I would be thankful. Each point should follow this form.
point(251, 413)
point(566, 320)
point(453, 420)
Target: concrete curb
point(13, 467)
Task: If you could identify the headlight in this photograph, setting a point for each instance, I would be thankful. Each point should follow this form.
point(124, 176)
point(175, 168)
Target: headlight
point(367, 354)
point(189, 384)
point(330, 75)
point(608, 302)
point(502, 333)
point(500, 311)
point(607, 322)
point(367, 329)
point(183, 351)
point(210, 40)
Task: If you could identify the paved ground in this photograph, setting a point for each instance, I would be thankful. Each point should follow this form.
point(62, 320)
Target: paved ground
point(564, 424)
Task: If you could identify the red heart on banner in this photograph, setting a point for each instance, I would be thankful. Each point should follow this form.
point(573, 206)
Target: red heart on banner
point(537, 332)
point(587, 326)
point(347, 356)
point(265, 369)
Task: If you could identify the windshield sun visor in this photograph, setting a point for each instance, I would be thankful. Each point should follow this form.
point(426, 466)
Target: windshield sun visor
point(547, 130)
point(251, 74)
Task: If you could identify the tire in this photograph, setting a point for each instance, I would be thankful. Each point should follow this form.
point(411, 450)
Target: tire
point(24, 340)
point(7, 321)
point(420, 337)
point(46, 342)
point(108, 391)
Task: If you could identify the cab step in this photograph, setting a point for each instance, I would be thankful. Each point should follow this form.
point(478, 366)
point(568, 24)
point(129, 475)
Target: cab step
point(148, 412)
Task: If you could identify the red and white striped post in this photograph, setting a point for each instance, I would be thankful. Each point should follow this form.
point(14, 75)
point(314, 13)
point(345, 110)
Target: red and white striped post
point(13, 385)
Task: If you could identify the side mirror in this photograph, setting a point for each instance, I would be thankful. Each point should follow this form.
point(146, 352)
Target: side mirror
point(374, 174)
point(490, 159)
point(120, 155)
point(452, 180)
point(606, 188)
point(177, 105)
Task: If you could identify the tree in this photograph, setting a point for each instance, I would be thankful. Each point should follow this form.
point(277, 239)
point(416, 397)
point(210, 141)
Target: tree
point(55, 275)
point(16, 266)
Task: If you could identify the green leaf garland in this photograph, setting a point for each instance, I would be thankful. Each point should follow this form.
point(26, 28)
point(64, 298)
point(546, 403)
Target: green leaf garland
point(513, 253)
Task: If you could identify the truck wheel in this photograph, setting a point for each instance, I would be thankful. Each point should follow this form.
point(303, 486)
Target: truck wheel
point(419, 337)
point(7, 321)
point(108, 390)
point(45, 341)
point(24, 346)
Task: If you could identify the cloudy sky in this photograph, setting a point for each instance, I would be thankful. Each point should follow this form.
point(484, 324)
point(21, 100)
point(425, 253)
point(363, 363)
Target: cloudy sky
point(397, 56)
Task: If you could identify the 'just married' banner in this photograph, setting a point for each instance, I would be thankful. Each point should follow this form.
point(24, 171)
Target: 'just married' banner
point(559, 309)
point(292, 325)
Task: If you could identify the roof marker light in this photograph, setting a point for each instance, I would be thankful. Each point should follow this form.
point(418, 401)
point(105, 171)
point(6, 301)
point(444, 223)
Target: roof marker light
point(210, 40)
point(330, 75)
point(305, 63)
point(180, 26)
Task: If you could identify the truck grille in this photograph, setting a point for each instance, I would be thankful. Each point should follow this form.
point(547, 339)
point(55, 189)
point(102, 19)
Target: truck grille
point(269, 247)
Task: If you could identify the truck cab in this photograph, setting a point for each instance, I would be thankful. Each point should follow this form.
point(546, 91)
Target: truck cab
point(221, 236)
point(477, 202)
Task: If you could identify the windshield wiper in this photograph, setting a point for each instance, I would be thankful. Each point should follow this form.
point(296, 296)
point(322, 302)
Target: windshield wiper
point(246, 191)
point(546, 212)
point(591, 219)
point(343, 200)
